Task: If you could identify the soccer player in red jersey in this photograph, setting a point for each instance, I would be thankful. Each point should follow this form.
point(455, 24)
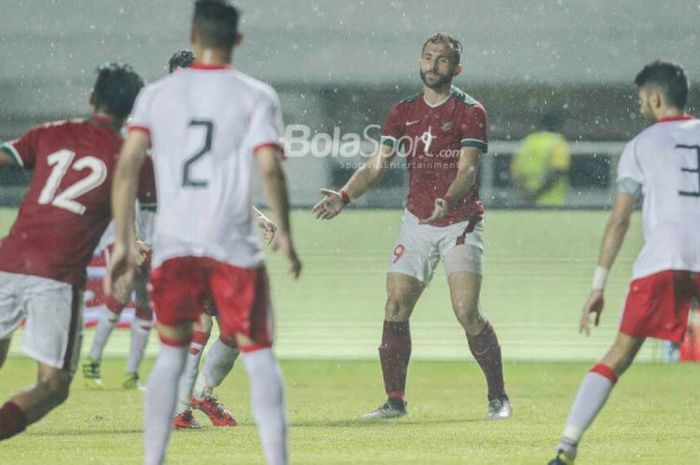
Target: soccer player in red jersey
point(660, 167)
point(43, 259)
point(209, 127)
point(443, 134)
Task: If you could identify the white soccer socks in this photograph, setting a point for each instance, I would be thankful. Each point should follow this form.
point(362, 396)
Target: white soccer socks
point(160, 400)
point(194, 355)
point(268, 405)
point(590, 399)
point(140, 330)
point(106, 323)
point(218, 364)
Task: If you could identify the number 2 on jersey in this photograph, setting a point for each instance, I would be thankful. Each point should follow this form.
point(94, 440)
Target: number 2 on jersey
point(61, 162)
point(187, 180)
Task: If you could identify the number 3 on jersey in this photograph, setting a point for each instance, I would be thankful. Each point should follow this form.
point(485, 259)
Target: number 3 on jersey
point(187, 180)
point(61, 162)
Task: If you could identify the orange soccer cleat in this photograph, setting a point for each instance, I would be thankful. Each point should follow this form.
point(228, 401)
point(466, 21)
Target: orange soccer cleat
point(185, 420)
point(217, 413)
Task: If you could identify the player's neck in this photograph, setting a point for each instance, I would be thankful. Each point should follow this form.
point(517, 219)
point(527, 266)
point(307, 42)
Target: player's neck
point(213, 57)
point(102, 118)
point(434, 97)
point(668, 112)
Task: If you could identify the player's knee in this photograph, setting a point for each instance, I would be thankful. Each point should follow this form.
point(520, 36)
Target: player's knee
point(619, 358)
point(57, 387)
point(469, 317)
point(396, 309)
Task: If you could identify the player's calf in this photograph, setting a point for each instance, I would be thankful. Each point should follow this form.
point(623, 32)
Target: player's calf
point(4, 349)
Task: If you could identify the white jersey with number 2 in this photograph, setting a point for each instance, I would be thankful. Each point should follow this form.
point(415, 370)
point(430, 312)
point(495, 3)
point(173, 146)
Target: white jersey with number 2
point(205, 125)
point(665, 160)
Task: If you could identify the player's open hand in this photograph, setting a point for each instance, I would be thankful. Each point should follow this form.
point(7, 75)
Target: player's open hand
point(283, 243)
point(439, 212)
point(330, 206)
point(144, 251)
point(268, 228)
point(122, 264)
point(594, 306)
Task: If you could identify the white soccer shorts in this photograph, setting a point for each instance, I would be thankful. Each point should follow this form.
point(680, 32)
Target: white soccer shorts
point(420, 247)
point(54, 318)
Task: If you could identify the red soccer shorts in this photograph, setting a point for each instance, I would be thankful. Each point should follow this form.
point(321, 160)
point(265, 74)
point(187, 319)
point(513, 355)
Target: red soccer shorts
point(658, 305)
point(181, 287)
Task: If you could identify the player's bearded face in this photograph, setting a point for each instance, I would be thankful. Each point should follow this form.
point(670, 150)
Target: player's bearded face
point(436, 67)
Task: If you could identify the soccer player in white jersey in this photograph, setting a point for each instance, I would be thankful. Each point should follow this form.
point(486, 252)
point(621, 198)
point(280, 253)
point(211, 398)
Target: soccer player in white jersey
point(208, 127)
point(661, 166)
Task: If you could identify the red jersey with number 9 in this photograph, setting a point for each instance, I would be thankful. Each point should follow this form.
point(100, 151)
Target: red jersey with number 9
point(67, 207)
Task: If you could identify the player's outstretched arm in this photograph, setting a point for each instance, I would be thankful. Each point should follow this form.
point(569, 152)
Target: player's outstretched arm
point(275, 185)
point(360, 182)
point(615, 230)
point(464, 182)
point(124, 257)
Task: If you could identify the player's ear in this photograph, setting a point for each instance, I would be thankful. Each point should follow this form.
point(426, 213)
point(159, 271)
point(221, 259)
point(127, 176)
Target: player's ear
point(237, 41)
point(457, 70)
point(656, 98)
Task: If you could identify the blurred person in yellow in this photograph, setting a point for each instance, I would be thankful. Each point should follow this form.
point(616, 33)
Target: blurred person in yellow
point(540, 169)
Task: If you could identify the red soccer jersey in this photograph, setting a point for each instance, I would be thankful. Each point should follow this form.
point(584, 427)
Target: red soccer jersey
point(431, 137)
point(67, 207)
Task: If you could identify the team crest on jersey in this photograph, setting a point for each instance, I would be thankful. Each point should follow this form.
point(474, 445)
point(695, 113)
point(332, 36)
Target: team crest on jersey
point(446, 126)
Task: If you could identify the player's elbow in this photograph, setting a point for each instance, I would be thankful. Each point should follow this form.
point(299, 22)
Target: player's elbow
point(619, 223)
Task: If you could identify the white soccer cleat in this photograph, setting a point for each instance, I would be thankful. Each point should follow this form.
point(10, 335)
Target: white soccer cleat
point(392, 408)
point(499, 409)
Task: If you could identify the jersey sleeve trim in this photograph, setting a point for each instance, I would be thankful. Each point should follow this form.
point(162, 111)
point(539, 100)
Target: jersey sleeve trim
point(388, 140)
point(264, 145)
point(136, 127)
point(12, 152)
point(480, 144)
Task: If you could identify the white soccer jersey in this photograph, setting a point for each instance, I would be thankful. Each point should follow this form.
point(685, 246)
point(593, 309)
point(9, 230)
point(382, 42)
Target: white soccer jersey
point(205, 124)
point(665, 160)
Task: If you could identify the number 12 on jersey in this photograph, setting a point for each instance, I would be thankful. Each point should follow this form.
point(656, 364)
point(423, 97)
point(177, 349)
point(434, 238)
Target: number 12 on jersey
point(61, 162)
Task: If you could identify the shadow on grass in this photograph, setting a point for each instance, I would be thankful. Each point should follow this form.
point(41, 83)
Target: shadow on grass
point(91, 432)
point(380, 423)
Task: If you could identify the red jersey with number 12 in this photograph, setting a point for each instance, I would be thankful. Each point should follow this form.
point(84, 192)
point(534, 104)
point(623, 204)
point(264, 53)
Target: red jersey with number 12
point(67, 207)
point(431, 138)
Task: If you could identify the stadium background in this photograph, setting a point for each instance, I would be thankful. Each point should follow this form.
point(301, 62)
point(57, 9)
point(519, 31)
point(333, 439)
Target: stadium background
point(343, 65)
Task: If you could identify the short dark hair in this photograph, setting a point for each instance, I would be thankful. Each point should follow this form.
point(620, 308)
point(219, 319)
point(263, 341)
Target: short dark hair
point(116, 88)
point(183, 58)
point(447, 39)
point(669, 78)
point(216, 22)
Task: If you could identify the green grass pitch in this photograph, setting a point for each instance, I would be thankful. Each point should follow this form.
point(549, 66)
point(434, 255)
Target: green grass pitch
point(538, 267)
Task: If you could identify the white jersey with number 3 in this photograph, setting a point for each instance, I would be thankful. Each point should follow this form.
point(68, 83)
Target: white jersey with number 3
point(205, 125)
point(665, 160)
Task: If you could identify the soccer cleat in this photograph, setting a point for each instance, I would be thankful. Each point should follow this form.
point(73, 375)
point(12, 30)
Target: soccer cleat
point(217, 413)
point(91, 373)
point(185, 420)
point(392, 408)
point(132, 381)
point(561, 459)
point(499, 408)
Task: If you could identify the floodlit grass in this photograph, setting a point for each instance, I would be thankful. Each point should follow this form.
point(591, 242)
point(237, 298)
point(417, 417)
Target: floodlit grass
point(538, 268)
point(651, 418)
